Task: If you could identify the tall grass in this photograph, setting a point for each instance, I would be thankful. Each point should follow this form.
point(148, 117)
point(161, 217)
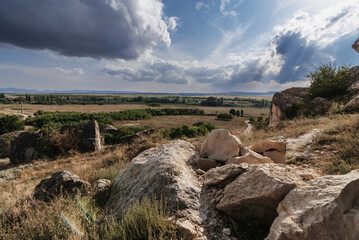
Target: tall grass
point(67, 218)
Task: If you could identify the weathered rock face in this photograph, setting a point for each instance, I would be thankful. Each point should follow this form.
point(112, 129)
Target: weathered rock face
point(318, 106)
point(256, 193)
point(355, 46)
point(164, 170)
point(221, 176)
point(220, 145)
point(24, 148)
point(284, 105)
point(59, 183)
point(352, 105)
point(324, 208)
point(5, 143)
point(276, 156)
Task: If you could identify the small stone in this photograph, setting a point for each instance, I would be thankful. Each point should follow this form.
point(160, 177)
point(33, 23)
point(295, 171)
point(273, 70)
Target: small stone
point(200, 172)
point(226, 231)
point(205, 164)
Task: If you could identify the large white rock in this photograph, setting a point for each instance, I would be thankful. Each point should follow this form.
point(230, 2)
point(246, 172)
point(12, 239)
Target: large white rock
point(325, 208)
point(220, 145)
point(164, 170)
point(257, 192)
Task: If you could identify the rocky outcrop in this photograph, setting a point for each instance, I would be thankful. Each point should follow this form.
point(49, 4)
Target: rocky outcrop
point(284, 105)
point(220, 145)
point(168, 171)
point(62, 182)
point(221, 176)
point(352, 105)
point(89, 135)
point(355, 46)
point(256, 193)
point(324, 208)
point(25, 147)
point(5, 143)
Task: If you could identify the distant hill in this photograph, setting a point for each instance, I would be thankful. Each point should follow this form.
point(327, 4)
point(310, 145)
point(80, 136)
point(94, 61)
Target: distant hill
point(77, 91)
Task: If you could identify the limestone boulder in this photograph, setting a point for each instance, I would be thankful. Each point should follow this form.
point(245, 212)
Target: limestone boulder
point(284, 105)
point(88, 134)
point(250, 158)
point(162, 171)
point(25, 147)
point(256, 193)
point(5, 143)
point(352, 105)
point(223, 175)
point(220, 145)
point(324, 208)
point(276, 156)
point(267, 145)
point(61, 182)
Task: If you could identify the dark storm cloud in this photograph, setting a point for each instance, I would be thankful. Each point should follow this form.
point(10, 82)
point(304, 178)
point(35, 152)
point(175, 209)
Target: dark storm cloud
point(84, 28)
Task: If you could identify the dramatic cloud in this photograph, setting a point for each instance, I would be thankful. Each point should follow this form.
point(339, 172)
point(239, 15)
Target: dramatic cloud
point(98, 28)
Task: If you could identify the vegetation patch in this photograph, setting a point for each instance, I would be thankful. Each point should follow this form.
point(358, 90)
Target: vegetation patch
point(114, 137)
point(10, 123)
point(225, 116)
point(186, 131)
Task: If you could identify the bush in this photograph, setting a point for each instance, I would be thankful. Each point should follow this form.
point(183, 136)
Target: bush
point(232, 111)
point(328, 81)
point(190, 132)
point(225, 116)
point(11, 123)
point(260, 122)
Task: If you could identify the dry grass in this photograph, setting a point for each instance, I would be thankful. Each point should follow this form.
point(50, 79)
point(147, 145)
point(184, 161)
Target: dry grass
point(236, 126)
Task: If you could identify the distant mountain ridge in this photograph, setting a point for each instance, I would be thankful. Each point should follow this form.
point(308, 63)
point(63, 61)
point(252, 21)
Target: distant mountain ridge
point(77, 91)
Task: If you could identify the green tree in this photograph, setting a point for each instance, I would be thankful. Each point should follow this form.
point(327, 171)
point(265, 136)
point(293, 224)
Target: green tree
point(328, 81)
point(242, 113)
point(232, 111)
point(238, 114)
point(225, 116)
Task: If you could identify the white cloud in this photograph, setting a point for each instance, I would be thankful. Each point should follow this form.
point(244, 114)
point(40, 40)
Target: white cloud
point(225, 4)
point(69, 71)
point(200, 5)
point(172, 23)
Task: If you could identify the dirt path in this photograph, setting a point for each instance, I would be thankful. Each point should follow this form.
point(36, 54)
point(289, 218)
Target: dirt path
point(17, 113)
point(301, 145)
point(249, 128)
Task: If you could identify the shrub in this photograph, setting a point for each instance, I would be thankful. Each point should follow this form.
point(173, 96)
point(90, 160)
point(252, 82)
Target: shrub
point(225, 116)
point(328, 81)
point(11, 123)
point(232, 111)
point(190, 132)
point(260, 122)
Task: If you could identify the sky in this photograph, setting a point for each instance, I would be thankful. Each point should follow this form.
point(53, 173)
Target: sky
point(173, 45)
